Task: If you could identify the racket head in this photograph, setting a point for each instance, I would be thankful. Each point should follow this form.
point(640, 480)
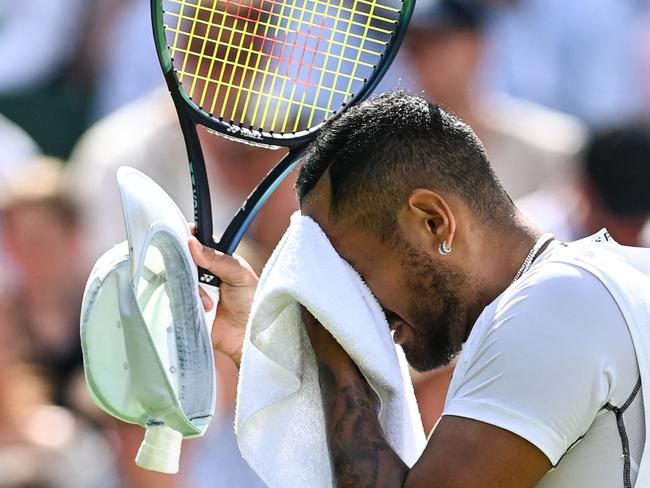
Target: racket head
point(271, 73)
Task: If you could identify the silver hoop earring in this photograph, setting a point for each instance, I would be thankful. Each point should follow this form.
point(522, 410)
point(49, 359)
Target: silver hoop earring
point(444, 248)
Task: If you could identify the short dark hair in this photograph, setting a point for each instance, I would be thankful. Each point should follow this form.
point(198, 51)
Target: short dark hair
point(432, 15)
point(617, 162)
point(381, 150)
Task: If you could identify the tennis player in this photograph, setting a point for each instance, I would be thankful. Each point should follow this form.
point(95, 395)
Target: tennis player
point(546, 390)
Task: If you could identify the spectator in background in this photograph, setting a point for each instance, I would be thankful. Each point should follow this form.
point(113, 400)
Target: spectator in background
point(37, 38)
point(127, 66)
point(146, 136)
point(41, 87)
point(528, 145)
point(611, 190)
point(42, 240)
point(41, 445)
point(17, 150)
point(582, 57)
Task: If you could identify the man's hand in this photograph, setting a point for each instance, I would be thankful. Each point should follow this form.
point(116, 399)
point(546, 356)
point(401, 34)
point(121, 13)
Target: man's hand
point(238, 285)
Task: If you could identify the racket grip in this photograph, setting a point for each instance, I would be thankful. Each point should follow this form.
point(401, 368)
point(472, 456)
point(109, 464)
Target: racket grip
point(160, 450)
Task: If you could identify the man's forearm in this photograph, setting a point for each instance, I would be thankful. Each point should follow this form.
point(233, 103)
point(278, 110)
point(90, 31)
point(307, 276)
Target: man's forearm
point(360, 455)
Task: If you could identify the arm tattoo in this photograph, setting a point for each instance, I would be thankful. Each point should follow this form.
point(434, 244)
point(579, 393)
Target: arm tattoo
point(360, 455)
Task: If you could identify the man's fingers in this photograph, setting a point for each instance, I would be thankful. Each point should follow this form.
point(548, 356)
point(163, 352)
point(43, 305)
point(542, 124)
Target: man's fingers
point(207, 302)
point(226, 267)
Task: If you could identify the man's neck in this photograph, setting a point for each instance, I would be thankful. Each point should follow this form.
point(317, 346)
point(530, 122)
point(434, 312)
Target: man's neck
point(503, 251)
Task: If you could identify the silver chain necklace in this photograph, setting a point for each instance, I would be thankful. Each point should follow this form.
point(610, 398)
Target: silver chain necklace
point(532, 255)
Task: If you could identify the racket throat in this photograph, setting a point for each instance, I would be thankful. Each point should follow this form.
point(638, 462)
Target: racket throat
point(243, 132)
point(256, 200)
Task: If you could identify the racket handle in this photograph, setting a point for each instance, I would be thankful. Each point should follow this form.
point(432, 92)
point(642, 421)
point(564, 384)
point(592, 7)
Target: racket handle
point(160, 450)
point(205, 276)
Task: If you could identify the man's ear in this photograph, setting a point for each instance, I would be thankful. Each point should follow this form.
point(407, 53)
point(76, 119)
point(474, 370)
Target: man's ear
point(429, 219)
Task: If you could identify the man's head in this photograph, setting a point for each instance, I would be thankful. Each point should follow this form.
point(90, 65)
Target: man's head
point(615, 185)
point(42, 235)
point(445, 47)
point(390, 181)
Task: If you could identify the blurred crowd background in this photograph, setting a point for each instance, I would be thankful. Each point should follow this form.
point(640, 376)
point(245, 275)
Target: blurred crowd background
point(558, 90)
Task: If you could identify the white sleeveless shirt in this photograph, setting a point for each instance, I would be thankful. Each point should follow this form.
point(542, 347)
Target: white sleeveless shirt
point(552, 360)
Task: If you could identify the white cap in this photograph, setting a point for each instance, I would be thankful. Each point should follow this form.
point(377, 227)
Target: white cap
point(146, 344)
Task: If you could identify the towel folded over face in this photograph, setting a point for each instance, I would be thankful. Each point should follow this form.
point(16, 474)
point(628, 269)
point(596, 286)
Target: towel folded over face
point(280, 422)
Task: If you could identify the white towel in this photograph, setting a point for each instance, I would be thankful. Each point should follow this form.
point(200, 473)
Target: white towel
point(279, 422)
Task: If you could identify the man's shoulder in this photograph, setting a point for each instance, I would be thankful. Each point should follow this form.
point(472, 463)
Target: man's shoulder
point(555, 293)
point(546, 356)
point(120, 137)
point(580, 266)
point(555, 315)
point(557, 278)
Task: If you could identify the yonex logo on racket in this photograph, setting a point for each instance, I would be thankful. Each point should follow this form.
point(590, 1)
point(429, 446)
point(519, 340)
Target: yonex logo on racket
point(206, 278)
point(235, 129)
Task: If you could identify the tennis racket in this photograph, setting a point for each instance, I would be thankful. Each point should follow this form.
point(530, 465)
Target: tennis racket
point(268, 73)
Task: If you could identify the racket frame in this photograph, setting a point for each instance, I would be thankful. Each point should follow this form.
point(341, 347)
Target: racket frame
point(190, 115)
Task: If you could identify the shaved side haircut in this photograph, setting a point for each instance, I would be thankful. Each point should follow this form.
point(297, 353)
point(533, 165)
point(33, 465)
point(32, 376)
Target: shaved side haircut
point(378, 152)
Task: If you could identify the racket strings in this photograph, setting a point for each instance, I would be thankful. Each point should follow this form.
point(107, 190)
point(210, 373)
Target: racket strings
point(279, 27)
point(275, 66)
point(274, 57)
point(290, 60)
